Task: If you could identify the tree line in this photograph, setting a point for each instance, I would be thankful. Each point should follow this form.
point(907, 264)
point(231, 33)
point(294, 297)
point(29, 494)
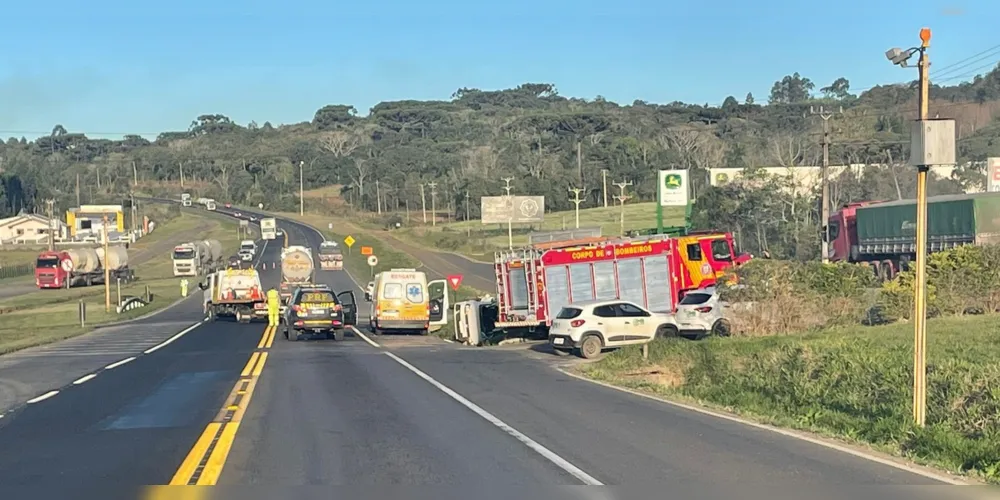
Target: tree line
point(547, 141)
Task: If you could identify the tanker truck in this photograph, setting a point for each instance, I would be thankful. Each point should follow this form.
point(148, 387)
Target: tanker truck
point(297, 267)
point(81, 266)
point(197, 258)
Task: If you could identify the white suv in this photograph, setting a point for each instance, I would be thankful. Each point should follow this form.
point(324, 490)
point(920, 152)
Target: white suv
point(588, 328)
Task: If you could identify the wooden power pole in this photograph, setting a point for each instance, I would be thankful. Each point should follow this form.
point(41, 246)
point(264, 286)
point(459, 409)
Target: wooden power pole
point(825, 178)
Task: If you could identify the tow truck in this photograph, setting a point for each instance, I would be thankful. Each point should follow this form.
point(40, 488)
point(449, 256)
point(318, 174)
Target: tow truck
point(236, 293)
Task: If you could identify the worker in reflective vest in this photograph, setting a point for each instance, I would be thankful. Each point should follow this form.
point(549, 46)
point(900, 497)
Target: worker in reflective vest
point(273, 306)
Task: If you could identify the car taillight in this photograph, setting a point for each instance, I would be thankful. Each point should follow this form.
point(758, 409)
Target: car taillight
point(704, 309)
point(576, 323)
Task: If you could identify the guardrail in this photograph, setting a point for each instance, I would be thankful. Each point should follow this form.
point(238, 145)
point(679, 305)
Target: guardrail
point(16, 270)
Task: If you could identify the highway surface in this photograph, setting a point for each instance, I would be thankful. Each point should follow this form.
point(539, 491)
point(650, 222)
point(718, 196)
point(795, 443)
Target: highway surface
point(231, 404)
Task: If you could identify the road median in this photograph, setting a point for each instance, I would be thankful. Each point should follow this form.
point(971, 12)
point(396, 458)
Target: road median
point(44, 316)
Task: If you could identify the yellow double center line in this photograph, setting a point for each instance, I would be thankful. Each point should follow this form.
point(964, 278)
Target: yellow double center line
point(204, 463)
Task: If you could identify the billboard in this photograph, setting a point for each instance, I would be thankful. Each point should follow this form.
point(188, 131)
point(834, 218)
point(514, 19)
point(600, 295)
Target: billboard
point(521, 209)
point(673, 188)
point(992, 174)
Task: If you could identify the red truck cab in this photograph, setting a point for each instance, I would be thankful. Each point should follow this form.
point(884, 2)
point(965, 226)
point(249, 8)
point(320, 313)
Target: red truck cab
point(843, 231)
point(49, 272)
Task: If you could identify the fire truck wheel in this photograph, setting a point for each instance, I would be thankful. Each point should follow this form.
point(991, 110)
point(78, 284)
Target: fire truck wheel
point(666, 332)
point(590, 348)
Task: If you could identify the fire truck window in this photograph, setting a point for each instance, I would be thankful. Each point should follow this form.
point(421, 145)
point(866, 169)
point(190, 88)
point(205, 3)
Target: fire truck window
point(721, 251)
point(658, 286)
point(630, 280)
point(518, 288)
point(557, 286)
point(694, 252)
point(605, 312)
point(581, 282)
point(604, 280)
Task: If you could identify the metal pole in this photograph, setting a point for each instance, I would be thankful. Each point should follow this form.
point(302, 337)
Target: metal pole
point(107, 269)
point(510, 217)
point(468, 229)
point(302, 209)
point(433, 186)
point(119, 280)
point(423, 202)
point(52, 237)
point(576, 201)
point(604, 179)
point(920, 288)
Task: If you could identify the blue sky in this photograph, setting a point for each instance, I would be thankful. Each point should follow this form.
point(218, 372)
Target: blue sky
point(109, 67)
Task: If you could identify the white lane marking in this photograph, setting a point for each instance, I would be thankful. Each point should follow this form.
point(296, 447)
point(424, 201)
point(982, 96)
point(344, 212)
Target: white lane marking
point(43, 397)
point(551, 456)
point(364, 337)
point(171, 339)
point(787, 433)
point(119, 363)
point(84, 378)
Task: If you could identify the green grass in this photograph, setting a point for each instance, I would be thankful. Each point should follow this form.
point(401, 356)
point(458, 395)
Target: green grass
point(476, 240)
point(48, 316)
point(855, 384)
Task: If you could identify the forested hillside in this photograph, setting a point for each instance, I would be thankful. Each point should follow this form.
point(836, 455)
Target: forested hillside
point(548, 142)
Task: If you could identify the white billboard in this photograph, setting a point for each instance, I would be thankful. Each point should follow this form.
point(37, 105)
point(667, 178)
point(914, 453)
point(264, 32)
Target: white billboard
point(673, 188)
point(992, 174)
point(520, 209)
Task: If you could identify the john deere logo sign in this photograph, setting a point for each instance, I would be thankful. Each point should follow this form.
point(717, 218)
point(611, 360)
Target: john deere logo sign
point(673, 188)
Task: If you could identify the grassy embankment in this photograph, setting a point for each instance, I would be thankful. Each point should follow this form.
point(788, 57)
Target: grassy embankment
point(478, 241)
point(46, 316)
point(850, 383)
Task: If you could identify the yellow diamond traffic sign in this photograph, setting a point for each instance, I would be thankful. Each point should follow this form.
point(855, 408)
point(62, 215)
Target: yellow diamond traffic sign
point(349, 240)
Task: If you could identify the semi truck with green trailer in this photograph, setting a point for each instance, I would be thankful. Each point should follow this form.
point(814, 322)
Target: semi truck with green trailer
point(883, 235)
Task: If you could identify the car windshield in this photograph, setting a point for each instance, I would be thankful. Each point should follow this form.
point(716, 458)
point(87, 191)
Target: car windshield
point(569, 313)
point(183, 254)
point(695, 298)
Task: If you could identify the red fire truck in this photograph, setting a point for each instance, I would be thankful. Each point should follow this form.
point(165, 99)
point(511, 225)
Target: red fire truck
point(533, 284)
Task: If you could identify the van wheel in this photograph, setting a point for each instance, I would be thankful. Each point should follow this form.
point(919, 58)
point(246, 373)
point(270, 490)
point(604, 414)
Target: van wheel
point(667, 331)
point(722, 328)
point(590, 348)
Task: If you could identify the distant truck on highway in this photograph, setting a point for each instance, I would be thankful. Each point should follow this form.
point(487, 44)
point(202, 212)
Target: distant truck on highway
point(186, 200)
point(268, 228)
point(883, 234)
point(330, 256)
point(81, 266)
point(197, 258)
point(297, 268)
point(234, 293)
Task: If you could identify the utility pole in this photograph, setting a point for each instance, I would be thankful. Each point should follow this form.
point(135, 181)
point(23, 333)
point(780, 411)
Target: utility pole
point(576, 201)
point(302, 200)
point(433, 186)
point(52, 237)
point(579, 159)
point(510, 217)
point(931, 149)
point(180, 165)
point(468, 231)
point(423, 202)
point(135, 175)
point(107, 268)
point(78, 189)
point(604, 180)
point(824, 173)
point(920, 290)
point(378, 198)
point(621, 199)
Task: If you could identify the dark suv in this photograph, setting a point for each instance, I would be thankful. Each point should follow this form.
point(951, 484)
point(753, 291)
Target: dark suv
point(317, 309)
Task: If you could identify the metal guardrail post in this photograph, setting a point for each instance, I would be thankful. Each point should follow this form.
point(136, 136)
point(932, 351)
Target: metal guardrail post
point(83, 313)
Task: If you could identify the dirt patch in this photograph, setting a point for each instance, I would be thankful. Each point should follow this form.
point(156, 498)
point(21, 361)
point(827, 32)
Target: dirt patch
point(657, 375)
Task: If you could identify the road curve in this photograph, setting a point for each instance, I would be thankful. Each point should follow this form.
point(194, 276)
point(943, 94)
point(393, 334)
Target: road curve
point(392, 411)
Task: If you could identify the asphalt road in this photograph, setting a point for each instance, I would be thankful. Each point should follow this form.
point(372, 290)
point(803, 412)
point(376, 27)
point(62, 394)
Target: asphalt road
point(393, 411)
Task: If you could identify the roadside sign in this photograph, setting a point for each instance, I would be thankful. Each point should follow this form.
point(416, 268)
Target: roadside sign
point(455, 280)
point(244, 223)
point(349, 241)
point(366, 251)
point(372, 260)
point(329, 226)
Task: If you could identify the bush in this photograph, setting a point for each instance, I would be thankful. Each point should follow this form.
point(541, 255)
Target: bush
point(783, 297)
point(964, 280)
